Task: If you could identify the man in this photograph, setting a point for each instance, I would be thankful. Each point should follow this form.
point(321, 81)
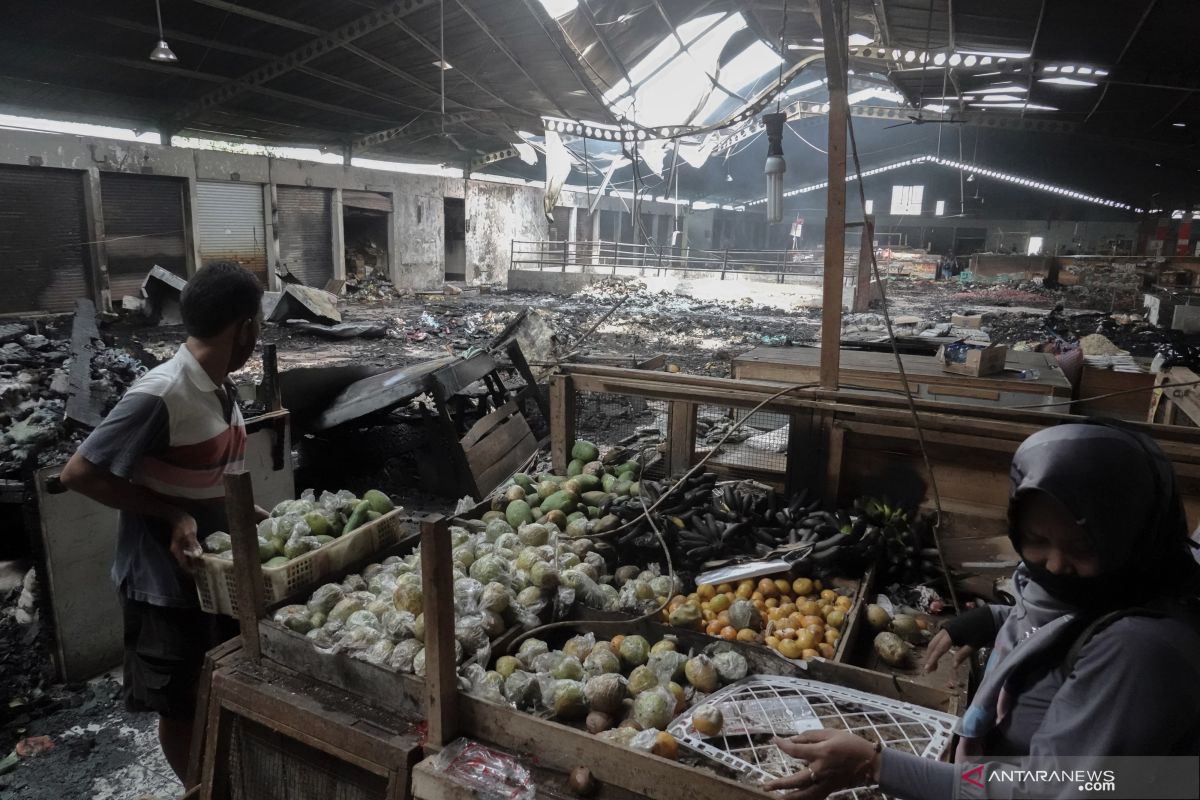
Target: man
point(160, 458)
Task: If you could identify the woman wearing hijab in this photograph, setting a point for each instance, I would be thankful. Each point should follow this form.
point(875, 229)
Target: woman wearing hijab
point(1100, 655)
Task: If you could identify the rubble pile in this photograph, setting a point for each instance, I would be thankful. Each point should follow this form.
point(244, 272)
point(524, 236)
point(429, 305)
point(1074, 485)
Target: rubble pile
point(371, 289)
point(1102, 286)
point(34, 386)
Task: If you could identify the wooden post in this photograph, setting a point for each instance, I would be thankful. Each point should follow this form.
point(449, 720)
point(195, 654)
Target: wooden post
point(835, 205)
point(247, 569)
point(681, 435)
point(441, 669)
point(862, 292)
point(562, 422)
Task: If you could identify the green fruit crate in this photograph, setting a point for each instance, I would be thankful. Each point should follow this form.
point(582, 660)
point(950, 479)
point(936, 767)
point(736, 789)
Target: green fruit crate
point(215, 581)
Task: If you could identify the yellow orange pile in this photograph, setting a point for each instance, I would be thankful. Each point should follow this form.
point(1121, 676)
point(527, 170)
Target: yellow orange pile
point(800, 618)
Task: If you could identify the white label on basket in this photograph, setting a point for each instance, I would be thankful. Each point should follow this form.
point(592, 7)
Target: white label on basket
point(783, 716)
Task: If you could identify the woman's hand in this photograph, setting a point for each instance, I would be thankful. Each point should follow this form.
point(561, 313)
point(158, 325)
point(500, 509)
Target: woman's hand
point(836, 760)
point(939, 646)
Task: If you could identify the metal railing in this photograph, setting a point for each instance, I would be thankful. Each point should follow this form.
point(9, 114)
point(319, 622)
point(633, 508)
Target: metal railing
point(623, 258)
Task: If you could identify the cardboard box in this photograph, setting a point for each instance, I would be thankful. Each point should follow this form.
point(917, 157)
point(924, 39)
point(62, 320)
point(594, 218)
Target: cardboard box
point(970, 358)
point(973, 321)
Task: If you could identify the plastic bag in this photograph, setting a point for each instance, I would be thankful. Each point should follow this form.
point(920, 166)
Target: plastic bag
point(488, 773)
point(296, 618)
point(521, 689)
point(403, 654)
point(398, 624)
point(484, 684)
point(217, 542)
point(377, 654)
point(354, 583)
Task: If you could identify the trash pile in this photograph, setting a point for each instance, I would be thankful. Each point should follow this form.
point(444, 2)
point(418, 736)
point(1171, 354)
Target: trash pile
point(34, 387)
point(372, 289)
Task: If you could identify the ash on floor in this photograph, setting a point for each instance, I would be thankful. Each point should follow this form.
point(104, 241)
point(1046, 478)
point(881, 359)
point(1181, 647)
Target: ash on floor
point(100, 751)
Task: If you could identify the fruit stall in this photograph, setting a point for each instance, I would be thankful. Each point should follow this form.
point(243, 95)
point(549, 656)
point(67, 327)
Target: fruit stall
point(611, 622)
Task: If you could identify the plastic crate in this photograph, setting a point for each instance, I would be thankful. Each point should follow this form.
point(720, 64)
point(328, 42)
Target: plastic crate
point(214, 576)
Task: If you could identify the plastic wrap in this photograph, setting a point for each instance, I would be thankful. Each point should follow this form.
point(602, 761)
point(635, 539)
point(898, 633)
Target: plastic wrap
point(296, 618)
point(529, 650)
point(354, 583)
point(383, 584)
point(217, 542)
point(490, 774)
point(397, 624)
point(495, 597)
point(667, 665)
point(580, 646)
point(521, 689)
point(407, 595)
point(364, 619)
point(484, 684)
point(403, 654)
point(325, 598)
point(379, 653)
point(564, 698)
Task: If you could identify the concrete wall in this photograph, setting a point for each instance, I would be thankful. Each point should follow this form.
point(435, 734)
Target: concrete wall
point(566, 283)
point(498, 212)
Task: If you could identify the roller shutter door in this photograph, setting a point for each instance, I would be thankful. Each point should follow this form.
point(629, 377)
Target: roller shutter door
point(374, 201)
point(44, 260)
point(230, 219)
point(305, 234)
point(143, 227)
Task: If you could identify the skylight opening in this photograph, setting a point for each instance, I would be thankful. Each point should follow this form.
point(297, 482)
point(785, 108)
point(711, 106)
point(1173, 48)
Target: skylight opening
point(77, 128)
point(559, 8)
point(1073, 82)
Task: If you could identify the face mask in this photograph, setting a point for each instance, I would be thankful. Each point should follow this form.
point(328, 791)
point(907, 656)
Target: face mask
point(1085, 593)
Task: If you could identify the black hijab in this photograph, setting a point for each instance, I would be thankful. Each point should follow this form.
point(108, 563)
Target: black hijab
point(1121, 489)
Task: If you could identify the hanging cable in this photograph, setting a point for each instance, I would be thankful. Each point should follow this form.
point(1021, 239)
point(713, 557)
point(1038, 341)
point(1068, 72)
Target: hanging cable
point(935, 528)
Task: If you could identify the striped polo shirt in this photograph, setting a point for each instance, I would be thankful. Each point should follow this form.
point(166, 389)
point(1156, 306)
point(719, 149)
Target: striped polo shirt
point(176, 433)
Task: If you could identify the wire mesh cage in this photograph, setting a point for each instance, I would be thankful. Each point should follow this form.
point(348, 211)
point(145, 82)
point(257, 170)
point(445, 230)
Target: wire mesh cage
point(265, 765)
point(624, 420)
point(759, 444)
point(761, 707)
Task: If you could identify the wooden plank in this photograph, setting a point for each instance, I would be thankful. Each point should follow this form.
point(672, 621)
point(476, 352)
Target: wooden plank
point(454, 451)
point(509, 463)
point(1094, 381)
point(681, 435)
point(653, 364)
point(270, 381)
point(441, 672)
point(964, 391)
point(500, 440)
point(487, 424)
point(452, 378)
point(378, 393)
point(833, 474)
point(247, 569)
point(216, 753)
point(81, 406)
point(200, 720)
point(562, 421)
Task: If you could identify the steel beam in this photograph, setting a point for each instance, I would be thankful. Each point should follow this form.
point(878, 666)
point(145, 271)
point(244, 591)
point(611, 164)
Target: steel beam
point(320, 46)
point(567, 53)
point(415, 128)
point(885, 35)
point(602, 38)
point(494, 157)
point(503, 48)
point(1128, 43)
point(458, 68)
point(1033, 55)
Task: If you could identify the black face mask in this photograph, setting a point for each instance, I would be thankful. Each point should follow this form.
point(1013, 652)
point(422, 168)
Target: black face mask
point(1122, 488)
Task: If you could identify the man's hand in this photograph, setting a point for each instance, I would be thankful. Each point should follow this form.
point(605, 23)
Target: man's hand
point(183, 539)
point(836, 760)
point(939, 646)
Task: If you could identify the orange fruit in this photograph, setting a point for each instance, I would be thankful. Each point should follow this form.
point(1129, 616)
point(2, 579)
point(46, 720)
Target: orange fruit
point(802, 586)
point(766, 587)
point(706, 591)
point(810, 653)
point(719, 603)
point(729, 632)
point(812, 619)
point(713, 628)
point(708, 615)
point(616, 641)
point(757, 596)
point(805, 640)
point(747, 635)
point(676, 601)
point(665, 746)
point(786, 633)
point(828, 594)
point(724, 588)
point(748, 583)
point(809, 608)
point(843, 601)
point(782, 586)
point(773, 642)
point(772, 602)
point(744, 591)
point(832, 635)
point(817, 585)
point(835, 618)
point(787, 608)
point(773, 614)
point(826, 650)
point(818, 631)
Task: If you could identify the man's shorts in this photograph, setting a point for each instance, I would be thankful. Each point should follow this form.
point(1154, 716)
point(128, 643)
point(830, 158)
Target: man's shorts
point(164, 654)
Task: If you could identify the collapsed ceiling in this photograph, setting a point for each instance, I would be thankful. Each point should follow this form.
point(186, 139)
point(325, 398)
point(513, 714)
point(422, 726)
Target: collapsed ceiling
point(463, 81)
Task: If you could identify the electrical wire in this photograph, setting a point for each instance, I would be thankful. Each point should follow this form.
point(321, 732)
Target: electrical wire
point(935, 528)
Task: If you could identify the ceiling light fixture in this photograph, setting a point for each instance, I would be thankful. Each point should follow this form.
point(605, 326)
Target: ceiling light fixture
point(162, 51)
point(1178, 124)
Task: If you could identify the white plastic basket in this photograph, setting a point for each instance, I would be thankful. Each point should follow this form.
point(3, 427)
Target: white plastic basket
point(214, 576)
point(760, 707)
